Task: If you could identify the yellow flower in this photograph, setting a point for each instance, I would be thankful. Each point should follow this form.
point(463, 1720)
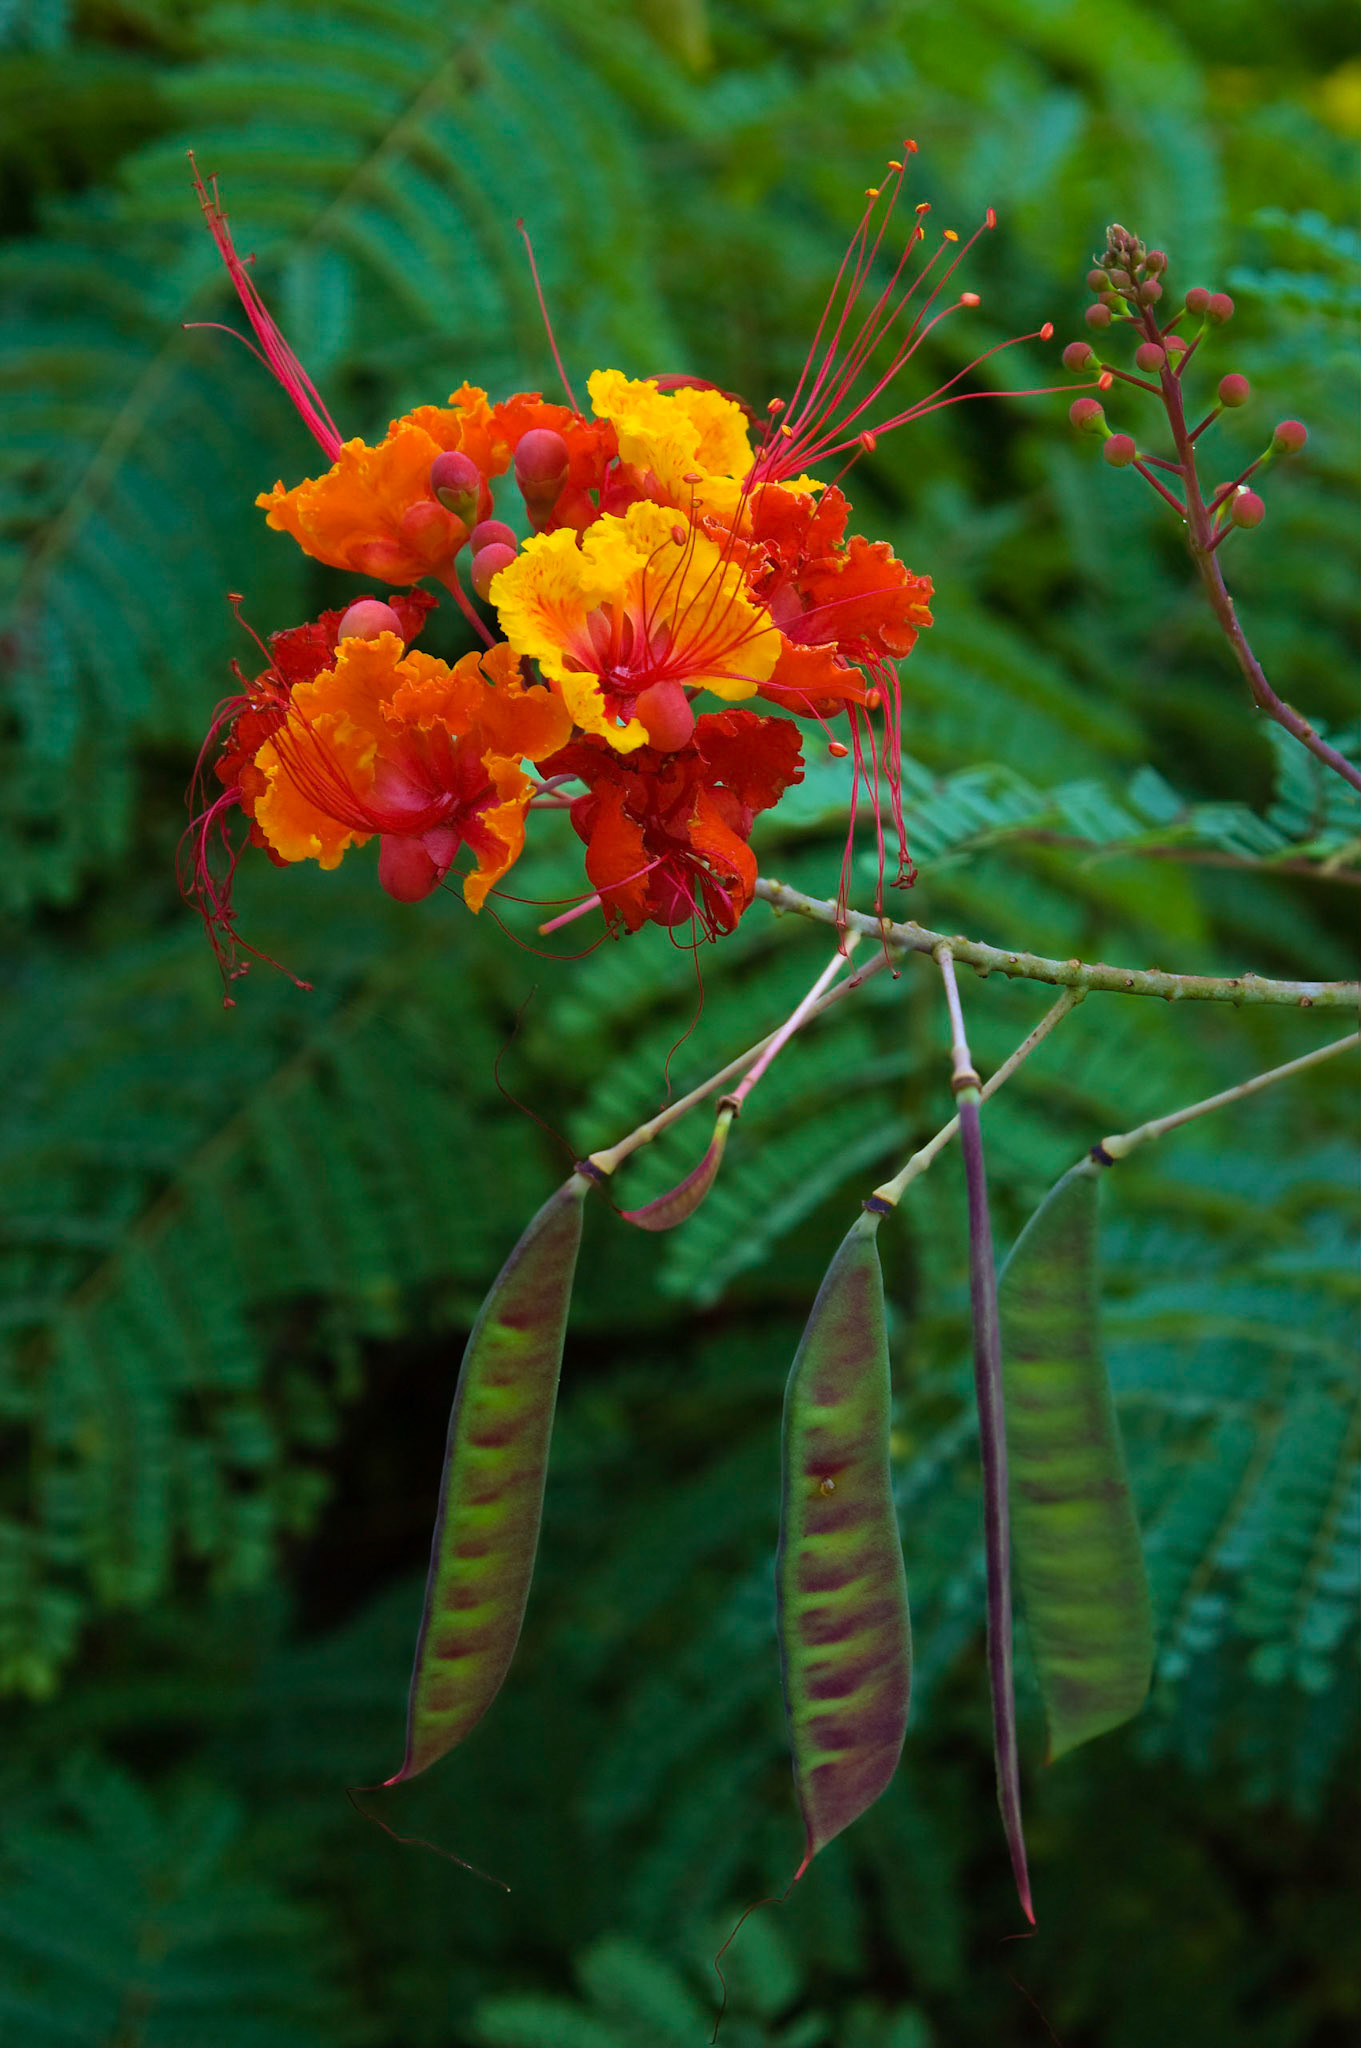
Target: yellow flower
point(675, 434)
point(643, 610)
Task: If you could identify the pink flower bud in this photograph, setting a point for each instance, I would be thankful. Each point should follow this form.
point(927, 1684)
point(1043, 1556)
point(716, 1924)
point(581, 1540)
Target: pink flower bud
point(1234, 390)
point(1197, 299)
point(488, 530)
point(1220, 310)
point(1097, 280)
point(1088, 415)
point(1246, 509)
point(1155, 262)
point(666, 713)
point(1120, 279)
point(1097, 316)
point(456, 481)
point(1150, 291)
point(1149, 356)
point(367, 618)
point(487, 563)
point(1112, 300)
point(541, 459)
point(1289, 437)
point(1078, 356)
point(1120, 451)
point(1175, 344)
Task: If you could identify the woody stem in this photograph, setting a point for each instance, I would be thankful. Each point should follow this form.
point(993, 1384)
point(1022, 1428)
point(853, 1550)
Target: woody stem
point(605, 1162)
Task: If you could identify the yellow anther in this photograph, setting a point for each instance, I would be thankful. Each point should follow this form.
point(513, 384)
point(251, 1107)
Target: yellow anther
point(871, 191)
point(787, 430)
point(925, 206)
point(950, 235)
point(894, 164)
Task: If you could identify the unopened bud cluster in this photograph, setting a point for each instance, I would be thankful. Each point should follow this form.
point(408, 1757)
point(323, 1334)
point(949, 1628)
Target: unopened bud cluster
point(1128, 283)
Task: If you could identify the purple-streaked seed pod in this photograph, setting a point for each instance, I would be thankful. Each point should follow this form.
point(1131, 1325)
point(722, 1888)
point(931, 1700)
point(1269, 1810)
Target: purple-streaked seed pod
point(491, 1494)
point(1088, 415)
point(1150, 291)
point(1289, 437)
point(541, 462)
point(1234, 390)
point(1079, 1560)
point(1098, 317)
point(844, 1632)
point(489, 562)
point(1119, 451)
point(1219, 311)
point(1078, 356)
point(456, 481)
point(367, 618)
point(488, 530)
point(1197, 299)
point(1150, 355)
point(1246, 509)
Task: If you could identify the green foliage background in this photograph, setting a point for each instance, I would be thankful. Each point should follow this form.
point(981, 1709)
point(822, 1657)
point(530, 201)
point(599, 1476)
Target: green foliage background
point(240, 1250)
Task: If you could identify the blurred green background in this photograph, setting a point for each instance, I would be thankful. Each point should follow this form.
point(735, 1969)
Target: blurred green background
point(241, 1249)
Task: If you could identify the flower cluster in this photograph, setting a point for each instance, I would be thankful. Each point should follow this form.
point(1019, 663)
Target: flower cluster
point(1128, 283)
point(676, 550)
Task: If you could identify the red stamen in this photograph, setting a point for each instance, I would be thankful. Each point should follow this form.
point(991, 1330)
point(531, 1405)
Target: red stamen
point(274, 349)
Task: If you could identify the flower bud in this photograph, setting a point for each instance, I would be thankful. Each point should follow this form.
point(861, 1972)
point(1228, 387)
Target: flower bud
point(666, 714)
point(1097, 316)
point(1120, 451)
point(1234, 390)
point(456, 481)
point(541, 459)
point(1088, 415)
point(1078, 356)
point(488, 530)
point(1155, 262)
point(1120, 279)
point(1197, 299)
point(1220, 310)
point(1150, 291)
point(1149, 356)
point(1247, 509)
point(1175, 344)
point(1112, 300)
point(1097, 280)
point(367, 618)
point(487, 563)
point(429, 530)
point(1289, 437)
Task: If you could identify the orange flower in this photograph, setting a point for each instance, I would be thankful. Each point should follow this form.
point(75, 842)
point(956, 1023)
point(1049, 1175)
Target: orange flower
point(374, 511)
point(402, 745)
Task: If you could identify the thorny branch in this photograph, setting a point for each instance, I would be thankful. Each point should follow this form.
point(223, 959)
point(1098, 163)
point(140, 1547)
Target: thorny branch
point(1241, 990)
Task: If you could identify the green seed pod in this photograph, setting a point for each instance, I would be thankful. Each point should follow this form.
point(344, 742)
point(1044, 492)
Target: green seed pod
point(491, 1495)
point(1079, 1560)
point(845, 1636)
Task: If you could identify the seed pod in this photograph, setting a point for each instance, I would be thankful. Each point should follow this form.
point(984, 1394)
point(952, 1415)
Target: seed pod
point(491, 1494)
point(1079, 1560)
point(845, 1636)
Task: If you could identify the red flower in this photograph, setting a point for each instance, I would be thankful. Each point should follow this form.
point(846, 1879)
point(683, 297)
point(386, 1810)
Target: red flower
point(666, 833)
